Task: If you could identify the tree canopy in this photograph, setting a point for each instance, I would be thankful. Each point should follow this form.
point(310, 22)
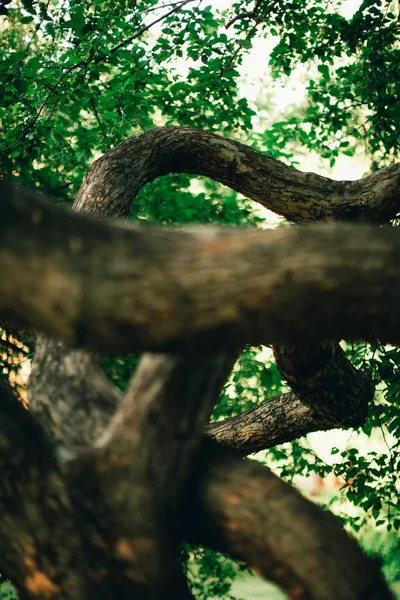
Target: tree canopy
point(124, 463)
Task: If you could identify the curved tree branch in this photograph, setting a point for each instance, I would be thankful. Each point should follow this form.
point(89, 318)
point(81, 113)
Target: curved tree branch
point(324, 380)
point(275, 421)
point(239, 507)
point(299, 196)
point(329, 393)
point(114, 179)
point(145, 424)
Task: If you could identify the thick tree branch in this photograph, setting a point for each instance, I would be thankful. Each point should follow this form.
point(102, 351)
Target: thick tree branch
point(159, 289)
point(143, 461)
point(299, 196)
point(163, 414)
point(324, 380)
point(236, 506)
point(114, 179)
point(135, 480)
point(239, 507)
point(108, 191)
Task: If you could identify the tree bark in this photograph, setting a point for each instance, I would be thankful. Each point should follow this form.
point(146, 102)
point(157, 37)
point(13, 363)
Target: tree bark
point(189, 291)
point(165, 290)
point(244, 510)
point(71, 395)
point(115, 178)
point(143, 460)
point(61, 520)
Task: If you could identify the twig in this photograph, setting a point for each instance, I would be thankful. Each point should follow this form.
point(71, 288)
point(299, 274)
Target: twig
point(246, 15)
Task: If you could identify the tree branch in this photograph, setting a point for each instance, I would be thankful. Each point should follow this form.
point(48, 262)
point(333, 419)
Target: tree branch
point(251, 14)
point(164, 290)
point(38, 538)
point(324, 380)
point(330, 393)
point(276, 421)
point(71, 395)
point(239, 507)
point(179, 302)
point(114, 179)
point(143, 460)
point(233, 505)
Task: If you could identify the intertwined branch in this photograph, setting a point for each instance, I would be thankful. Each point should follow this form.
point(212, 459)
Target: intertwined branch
point(130, 477)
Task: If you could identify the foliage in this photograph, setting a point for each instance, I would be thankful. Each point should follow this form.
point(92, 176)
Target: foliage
point(77, 78)
point(385, 547)
point(254, 379)
point(210, 574)
point(7, 591)
point(181, 199)
point(120, 369)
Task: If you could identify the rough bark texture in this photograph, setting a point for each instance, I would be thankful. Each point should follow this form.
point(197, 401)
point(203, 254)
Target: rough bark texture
point(115, 178)
point(138, 469)
point(71, 395)
point(69, 541)
point(143, 460)
point(38, 523)
point(276, 421)
point(324, 380)
point(330, 393)
point(118, 487)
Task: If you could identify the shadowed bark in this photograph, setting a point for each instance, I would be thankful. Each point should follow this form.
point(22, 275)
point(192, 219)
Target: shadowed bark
point(68, 540)
point(71, 395)
point(143, 459)
point(246, 511)
point(330, 393)
point(327, 382)
point(38, 522)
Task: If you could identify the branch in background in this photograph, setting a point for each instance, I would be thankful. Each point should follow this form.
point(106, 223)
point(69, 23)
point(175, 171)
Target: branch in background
point(276, 421)
point(246, 15)
point(330, 393)
point(326, 381)
point(114, 179)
